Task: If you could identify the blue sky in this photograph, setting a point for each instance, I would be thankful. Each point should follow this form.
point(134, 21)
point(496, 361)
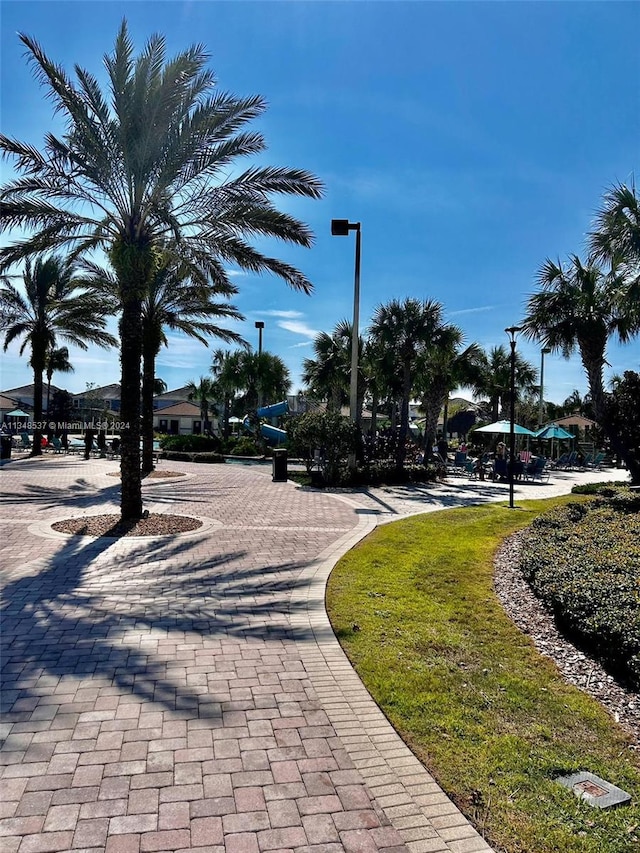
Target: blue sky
point(471, 140)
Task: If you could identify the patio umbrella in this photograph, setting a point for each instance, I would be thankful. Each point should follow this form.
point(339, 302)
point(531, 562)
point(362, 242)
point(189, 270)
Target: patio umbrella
point(553, 431)
point(18, 413)
point(504, 428)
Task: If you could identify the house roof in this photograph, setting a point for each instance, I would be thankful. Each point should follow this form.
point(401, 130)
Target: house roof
point(106, 392)
point(574, 420)
point(180, 410)
point(176, 394)
point(8, 402)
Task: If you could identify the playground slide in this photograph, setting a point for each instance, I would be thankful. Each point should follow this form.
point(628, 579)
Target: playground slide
point(273, 433)
point(274, 410)
point(269, 432)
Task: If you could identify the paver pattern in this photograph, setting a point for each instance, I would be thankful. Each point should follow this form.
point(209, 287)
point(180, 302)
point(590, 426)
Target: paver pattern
point(187, 693)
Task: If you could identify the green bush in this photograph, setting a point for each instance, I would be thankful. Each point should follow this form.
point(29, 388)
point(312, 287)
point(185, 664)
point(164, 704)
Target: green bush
point(244, 446)
point(182, 456)
point(583, 561)
point(191, 443)
point(334, 436)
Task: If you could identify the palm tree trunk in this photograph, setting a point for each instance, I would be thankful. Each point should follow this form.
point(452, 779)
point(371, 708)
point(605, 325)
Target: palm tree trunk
point(37, 359)
point(374, 412)
point(49, 378)
point(401, 449)
point(130, 358)
point(148, 376)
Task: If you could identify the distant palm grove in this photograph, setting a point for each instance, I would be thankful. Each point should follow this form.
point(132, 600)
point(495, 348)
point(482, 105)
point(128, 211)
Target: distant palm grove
point(132, 212)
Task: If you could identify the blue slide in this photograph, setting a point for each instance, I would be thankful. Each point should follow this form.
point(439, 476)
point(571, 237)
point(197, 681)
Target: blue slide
point(269, 432)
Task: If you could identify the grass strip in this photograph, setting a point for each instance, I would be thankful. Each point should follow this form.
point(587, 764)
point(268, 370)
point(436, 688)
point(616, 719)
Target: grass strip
point(414, 608)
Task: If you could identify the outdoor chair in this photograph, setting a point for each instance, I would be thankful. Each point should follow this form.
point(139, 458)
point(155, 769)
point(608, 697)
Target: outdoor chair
point(25, 441)
point(459, 462)
point(57, 445)
point(562, 461)
point(537, 470)
point(597, 461)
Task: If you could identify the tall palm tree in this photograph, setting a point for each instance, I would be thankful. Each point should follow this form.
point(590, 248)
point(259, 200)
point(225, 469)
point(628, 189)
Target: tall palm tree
point(180, 301)
point(616, 232)
point(55, 305)
point(577, 308)
point(204, 392)
point(328, 375)
point(225, 368)
point(265, 373)
point(444, 367)
point(148, 164)
point(56, 361)
point(616, 239)
point(494, 380)
point(402, 332)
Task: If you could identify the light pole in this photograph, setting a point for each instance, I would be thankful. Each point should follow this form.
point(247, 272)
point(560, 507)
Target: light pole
point(259, 326)
point(543, 352)
point(341, 228)
point(512, 332)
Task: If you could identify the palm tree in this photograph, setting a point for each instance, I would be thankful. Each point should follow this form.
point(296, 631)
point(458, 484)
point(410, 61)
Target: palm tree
point(176, 301)
point(444, 367)
point(225, 367)
point(574, 403)
point(148, 165)
point(55, 305)
point(616, 234)
point(577, 308)
point(56, 361)
point(402, 332)
point(494, 380)
point(204, 393)
point(328, 375)
point(616, 239)
point(265, 373)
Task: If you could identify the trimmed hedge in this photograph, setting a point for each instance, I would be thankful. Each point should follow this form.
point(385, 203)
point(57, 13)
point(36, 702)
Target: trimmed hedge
point(583, 561)
point(191, 443)
point(180, 456)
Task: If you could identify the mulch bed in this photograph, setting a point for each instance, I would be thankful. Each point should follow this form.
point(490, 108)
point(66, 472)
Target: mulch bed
point(152, 475)
point(111, 526)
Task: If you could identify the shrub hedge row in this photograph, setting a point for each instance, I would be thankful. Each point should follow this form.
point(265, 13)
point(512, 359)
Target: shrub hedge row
point(583, 561)
point(191, 443)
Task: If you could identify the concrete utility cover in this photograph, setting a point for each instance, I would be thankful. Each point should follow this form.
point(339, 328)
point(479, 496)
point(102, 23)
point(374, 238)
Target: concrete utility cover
point(594, 790)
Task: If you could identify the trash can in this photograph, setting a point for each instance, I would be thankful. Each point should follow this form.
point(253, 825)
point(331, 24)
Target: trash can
point(5, 447)
point(279, 466)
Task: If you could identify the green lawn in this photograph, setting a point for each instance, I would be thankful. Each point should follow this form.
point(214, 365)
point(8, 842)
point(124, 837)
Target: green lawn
point(414, 608)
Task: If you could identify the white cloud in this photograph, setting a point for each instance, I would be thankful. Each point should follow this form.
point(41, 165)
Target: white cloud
point(303, 344)
point(298, 328)
point(471, 310)
point(287, 315)
point(236, 273)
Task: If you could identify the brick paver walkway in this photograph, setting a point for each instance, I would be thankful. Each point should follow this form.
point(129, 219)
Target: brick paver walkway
point(187, 693)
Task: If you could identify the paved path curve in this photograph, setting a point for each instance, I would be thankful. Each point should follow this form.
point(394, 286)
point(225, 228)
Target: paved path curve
point(174, 694)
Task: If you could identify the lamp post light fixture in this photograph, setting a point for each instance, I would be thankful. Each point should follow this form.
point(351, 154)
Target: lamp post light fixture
point(341, 228)
point(259, 327)
point(543, 352)
point(512, 331)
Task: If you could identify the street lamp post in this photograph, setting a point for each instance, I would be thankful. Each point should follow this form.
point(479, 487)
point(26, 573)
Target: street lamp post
point(512, 332)
point(259, 326)
point(341, 228)
point(543, 352)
